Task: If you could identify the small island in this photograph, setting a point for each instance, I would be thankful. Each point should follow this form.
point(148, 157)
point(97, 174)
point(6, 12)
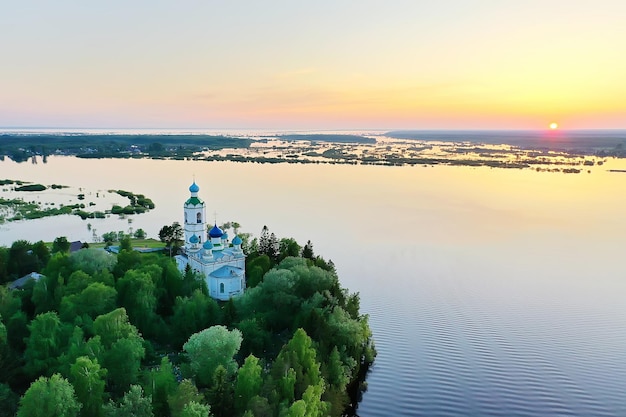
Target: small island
point(17, 208)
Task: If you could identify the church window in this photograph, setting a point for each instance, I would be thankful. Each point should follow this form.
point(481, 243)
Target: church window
point(186, 218)
point(221, 288)
point(199, 218)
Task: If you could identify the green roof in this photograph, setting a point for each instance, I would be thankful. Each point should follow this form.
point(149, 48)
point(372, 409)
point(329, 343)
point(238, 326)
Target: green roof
point(194, 201)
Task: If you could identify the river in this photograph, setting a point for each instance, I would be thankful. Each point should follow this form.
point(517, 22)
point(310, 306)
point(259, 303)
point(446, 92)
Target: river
point(490, 291)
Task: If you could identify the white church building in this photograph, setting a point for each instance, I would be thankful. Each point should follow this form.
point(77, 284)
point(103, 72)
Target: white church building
point(210, 253)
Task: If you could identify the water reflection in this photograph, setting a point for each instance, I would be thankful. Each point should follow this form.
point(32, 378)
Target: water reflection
point(490, 292)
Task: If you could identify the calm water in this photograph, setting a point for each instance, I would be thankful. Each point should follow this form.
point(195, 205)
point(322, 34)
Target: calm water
point(490, 292)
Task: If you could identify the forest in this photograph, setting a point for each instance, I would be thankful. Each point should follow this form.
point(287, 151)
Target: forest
point(99, 334)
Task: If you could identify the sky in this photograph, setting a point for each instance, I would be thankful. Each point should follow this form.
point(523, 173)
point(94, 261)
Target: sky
point(324, 64)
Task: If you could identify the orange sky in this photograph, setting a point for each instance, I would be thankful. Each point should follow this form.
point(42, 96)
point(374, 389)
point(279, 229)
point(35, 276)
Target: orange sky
point(328, 64)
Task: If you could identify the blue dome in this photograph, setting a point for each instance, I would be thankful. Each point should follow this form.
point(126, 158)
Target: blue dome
point(225, 236)
point(194, 188)
point(215, 232)
point(237, 240)
point(194, 239)
point(208, 245)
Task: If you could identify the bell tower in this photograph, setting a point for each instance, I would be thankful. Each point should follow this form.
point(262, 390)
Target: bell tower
point(195, 220)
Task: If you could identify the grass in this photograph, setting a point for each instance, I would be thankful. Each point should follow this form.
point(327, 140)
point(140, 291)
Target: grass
point(137, 243)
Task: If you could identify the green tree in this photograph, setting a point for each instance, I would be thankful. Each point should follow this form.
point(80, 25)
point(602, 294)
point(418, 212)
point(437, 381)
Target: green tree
point(4, 350)
point(43, 346)
point(299, 355)
point(192, 314)
point(221, 393)
point(125, 243)
point(134, 404)
point(42, 253)
point(93, 301)
point(210, 348)
point(9, 401)
point(77, 282)
point(256, 340)
point(139, 234)
point(92, 260)
point(249, 383)
point(311, 404)
point(10, 303)
point(264, 241)
point(184, 393)
point(109, 237)
point(123, 348)
point(4, 264)
point(49, 397)
point(77, 347)
point(87, 377)
point(136, 292)
point(172, 236)
point(195, 409)
point(288, 247)
point(60, 244)
point(48, 290)
point(160, 385)
point(22, 260)
point(307, 251)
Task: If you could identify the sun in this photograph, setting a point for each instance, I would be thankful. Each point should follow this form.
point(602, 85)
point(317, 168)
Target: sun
point(554, 126)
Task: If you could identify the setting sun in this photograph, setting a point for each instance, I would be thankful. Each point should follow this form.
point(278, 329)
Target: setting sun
point(553, 125)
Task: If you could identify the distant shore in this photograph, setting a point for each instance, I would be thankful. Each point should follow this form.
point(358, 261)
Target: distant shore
point(560, 151)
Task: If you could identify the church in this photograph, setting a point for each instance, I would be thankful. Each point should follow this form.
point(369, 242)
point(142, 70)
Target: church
point(220, 262)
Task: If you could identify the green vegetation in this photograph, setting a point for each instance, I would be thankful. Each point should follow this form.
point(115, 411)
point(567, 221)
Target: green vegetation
point(21, 147)
point(18, 209)
point(129, 335)
point(31, 187)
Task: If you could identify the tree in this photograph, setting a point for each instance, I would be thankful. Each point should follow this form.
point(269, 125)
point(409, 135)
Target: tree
point(92, 260)
point(123, 348)
point(22, 260)
point(134, 404)
point(172, 236)
point(161, 384)
point(42, 254)
point(87, 377)
point(221, 393)
point(299, 355)
point(43, 346)
point(192, 314)
point(4, 261)
point(60, 244)
point(125, 243)
point(311, 404)
point(307, 251)
point(288, 247)
point(109, 237)
point(210, 348)
point(195, 409)
point(139, 234)
point(136, 291)
point(273, 248)
point(184, 393)
point(95, 300)
point(249, 382)
point(264, 241)
point(9, 401)
point(49, 397)
point(4, 350)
